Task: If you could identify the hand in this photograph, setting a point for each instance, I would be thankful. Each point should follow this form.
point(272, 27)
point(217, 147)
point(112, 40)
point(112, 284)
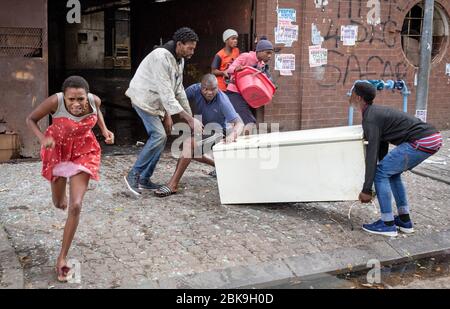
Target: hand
point(226, 75)
point(365, 198)
point(239, 68)
point(109, 137)
point(196, 126)
point(231, 138)
point(48, 143)
point(168, 124)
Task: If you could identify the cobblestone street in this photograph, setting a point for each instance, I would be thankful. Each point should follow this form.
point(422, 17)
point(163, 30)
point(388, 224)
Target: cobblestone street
point(122, 241)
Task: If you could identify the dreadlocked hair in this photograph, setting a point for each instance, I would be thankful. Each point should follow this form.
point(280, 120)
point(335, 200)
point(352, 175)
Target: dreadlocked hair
point(185, 35)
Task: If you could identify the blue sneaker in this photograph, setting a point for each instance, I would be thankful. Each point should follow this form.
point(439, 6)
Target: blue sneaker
point(405, 227)
point(148, 185)
point(379, 228)
point(132, 181)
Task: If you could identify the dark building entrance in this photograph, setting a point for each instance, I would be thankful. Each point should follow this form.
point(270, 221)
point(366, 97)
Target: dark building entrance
point(115, 36)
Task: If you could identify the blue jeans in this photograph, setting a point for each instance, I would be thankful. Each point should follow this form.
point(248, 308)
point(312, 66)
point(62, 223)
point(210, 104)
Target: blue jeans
point(150, 155)
point(388, 179)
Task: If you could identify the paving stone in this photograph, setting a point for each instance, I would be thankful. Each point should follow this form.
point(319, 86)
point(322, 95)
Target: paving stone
point(190, 233)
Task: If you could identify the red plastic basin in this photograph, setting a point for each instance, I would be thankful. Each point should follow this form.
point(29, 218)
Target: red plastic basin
point(255, 87)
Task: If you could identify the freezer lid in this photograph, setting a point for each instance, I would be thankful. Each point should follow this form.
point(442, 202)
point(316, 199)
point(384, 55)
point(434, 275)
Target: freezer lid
point(303, 137)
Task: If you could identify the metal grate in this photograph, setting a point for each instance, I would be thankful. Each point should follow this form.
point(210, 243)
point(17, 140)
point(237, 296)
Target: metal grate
point(412, 33)
point(21, 42)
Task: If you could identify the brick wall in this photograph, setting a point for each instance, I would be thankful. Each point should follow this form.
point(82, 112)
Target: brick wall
point(316, 97)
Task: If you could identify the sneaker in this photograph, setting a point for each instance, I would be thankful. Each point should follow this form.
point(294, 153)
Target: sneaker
point(405, 227)
point(379, 228)
point(149, 185)
point(132, 181)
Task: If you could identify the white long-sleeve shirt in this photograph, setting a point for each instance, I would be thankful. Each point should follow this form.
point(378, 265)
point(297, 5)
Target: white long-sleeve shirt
point(157, 86)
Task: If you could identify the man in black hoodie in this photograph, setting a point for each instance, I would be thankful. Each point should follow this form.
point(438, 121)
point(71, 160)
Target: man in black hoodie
point(415, 141)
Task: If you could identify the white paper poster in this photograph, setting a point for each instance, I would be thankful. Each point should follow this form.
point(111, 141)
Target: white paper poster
point(316, 38)
point(320, 3)
point(422, 115)
point(318, 56)
point(349, 35)
point(447, 69)
point(286, 34)
point(287, 16)
point(285, 62)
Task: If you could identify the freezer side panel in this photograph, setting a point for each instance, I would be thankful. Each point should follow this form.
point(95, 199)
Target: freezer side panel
point(302, 173)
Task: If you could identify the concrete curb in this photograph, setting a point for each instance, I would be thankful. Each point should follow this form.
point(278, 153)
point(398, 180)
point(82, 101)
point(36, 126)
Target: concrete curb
point(270, 274)
point(12, 277)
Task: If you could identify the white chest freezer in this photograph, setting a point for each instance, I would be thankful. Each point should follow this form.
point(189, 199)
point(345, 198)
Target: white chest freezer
point(300, 166)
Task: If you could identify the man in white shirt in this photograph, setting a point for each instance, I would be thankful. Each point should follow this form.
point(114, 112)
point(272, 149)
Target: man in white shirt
point(157, 93)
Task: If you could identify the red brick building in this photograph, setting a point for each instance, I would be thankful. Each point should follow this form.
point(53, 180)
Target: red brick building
point(115, 36)
point(316, 97)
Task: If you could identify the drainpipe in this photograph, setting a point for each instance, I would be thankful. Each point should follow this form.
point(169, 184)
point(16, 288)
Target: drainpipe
point(425, 61)
point(405, 93)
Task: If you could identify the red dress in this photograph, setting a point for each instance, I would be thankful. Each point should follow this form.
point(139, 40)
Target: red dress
point(76, 148)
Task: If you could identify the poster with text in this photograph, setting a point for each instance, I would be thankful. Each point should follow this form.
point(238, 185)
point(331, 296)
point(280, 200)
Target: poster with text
point(318, 56)
point(349, 35)
point(287, 16)
point(285, 62)
point(286, 34)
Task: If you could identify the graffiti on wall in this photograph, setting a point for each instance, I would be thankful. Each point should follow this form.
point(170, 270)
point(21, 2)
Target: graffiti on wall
point(371, 30)
point(375, 67)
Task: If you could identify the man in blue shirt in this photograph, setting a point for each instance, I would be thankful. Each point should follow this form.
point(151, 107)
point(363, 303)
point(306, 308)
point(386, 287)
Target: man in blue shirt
point(218, 116)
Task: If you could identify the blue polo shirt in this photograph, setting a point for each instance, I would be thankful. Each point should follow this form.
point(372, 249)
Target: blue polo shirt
point(219, 110)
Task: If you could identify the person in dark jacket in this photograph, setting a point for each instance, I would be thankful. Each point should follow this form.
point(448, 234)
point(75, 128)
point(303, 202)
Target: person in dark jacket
point(415, 140)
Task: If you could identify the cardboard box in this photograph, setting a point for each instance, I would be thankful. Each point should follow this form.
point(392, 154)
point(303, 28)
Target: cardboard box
point(9, 146)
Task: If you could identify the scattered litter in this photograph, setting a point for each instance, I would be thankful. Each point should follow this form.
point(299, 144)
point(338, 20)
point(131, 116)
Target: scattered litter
point(25, 259)
point(4, 190)
point(140, 144)
point(58, 226)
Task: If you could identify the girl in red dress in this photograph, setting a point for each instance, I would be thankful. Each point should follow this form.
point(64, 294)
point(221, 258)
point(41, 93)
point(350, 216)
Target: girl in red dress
point(70, 151)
